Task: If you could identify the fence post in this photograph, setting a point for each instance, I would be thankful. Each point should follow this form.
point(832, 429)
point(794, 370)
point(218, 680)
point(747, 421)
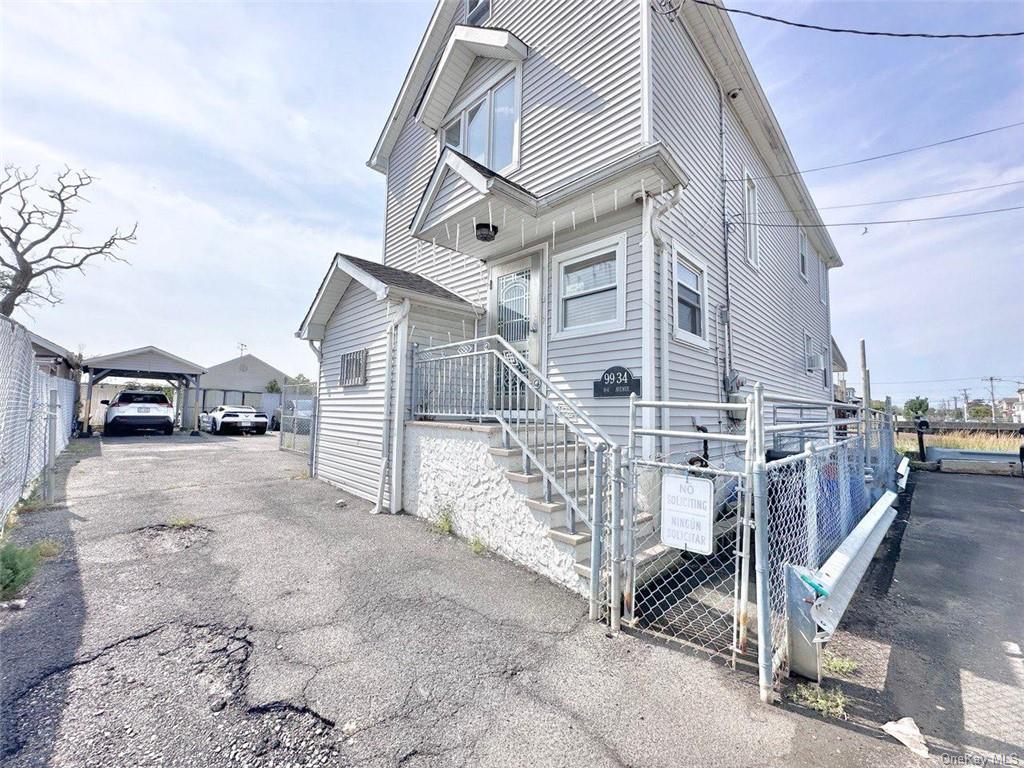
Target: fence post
point(761, 554)
point(51, 447)
point(811, 504)
point(743, 598)
point(615, 588)
point(845, 503)
point(597, 531)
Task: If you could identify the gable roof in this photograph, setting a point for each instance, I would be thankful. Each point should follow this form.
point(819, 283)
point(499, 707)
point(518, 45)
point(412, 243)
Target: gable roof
point(142, 360)
point(384, 282)
point(242, 372)
point(43, 347)
point(464, 45)
point(720, 46)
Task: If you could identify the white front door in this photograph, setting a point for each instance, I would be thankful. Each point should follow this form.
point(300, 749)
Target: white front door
point(515, 306)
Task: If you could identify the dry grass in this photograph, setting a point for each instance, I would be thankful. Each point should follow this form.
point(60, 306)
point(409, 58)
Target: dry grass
point(182, 523)
point(47, 548)
point(906, 442)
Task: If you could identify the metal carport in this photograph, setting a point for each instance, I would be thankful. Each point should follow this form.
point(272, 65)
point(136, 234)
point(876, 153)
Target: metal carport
point(146, 363)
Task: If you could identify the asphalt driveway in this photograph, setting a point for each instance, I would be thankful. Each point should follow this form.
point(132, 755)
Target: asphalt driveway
point(212, 606)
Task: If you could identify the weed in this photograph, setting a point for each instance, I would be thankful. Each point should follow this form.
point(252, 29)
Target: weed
point(303, 475)
point(18, 565)
point(445, 521)
point(1007, 442)
point(831, 702)
point(478, 546)
point(835, 664)
point(33, 503)
point(183, 523)
point(47, 548)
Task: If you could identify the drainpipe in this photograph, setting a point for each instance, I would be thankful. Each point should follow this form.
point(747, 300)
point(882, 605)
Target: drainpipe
point(385, 436)
point(666, 267)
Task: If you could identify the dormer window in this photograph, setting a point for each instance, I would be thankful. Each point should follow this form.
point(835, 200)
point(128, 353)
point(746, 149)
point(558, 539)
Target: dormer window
point(477, 11)
point(485, 129)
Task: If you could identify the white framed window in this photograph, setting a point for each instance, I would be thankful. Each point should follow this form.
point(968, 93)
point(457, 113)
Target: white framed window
point(486, 129)
point(353, 368)
point(751, 218)
point(590, 288)
point(822, 282)
point(477, 11)
point(690, 289)
point(804, 254)
point(808, 353)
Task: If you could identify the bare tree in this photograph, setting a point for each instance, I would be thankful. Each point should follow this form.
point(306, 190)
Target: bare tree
point(42, 241)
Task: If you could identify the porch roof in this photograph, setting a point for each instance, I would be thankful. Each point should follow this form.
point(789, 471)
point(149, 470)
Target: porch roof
point(476, 195)
point(383, 281)
point(464, 45)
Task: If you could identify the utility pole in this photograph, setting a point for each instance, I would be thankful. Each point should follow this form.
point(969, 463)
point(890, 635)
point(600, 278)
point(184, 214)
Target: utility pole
point(241, 349)
point(966, 400)
point(992, 395)
point(956, 403)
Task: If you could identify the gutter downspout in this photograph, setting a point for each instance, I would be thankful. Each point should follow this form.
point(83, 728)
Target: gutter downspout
point(314, 450)
point(666, 266)
point(385, 448)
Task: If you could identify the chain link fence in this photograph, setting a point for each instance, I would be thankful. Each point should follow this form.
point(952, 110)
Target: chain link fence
point(296, 418)
point(813, 500)
point(24, 407)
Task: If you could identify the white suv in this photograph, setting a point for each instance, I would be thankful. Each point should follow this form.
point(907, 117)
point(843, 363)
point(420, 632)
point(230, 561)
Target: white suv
point(138, 409)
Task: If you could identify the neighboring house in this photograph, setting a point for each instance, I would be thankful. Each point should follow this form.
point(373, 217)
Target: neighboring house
point(1017, 411)
point(600, 185)
point(241, 380)
point(54, 359)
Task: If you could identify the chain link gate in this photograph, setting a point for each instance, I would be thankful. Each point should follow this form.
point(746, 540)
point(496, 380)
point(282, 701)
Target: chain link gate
point(296, 420)
point(680, 596)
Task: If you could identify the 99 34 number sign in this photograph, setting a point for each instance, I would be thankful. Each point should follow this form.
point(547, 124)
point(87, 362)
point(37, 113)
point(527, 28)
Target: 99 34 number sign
point(616, 382)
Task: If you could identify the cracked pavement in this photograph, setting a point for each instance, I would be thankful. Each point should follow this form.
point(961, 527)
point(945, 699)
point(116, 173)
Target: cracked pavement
point(284, 629)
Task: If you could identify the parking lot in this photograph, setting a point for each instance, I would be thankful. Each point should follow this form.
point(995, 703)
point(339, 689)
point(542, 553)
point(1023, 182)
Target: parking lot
point(211, 605)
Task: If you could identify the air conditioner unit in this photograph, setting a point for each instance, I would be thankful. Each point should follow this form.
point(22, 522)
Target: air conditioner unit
point(815, 362)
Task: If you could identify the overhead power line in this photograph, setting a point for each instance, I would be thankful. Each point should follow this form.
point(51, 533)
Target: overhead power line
point(896, 199)
point(889, 221)
point(867, 32)
point(884, 155)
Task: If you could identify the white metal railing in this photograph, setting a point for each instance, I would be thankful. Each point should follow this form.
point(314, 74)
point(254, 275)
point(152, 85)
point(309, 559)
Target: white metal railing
point(487, 379)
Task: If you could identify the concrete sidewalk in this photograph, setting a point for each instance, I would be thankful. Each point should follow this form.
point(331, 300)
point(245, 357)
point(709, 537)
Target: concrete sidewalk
point(938, 626)
point(281, 629)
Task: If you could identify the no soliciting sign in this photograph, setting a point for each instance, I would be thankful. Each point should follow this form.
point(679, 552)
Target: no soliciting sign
point(687, 513)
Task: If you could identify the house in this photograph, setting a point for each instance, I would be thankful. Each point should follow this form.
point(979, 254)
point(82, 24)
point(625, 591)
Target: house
point(583, 200)
point(54, 359)
point(1016, 413)
point(241, 380)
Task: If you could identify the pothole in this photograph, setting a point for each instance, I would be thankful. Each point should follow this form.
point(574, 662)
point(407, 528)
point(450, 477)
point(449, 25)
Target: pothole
point(165, 538)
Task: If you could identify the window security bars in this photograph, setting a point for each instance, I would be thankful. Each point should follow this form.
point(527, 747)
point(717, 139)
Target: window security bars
point(353, 368)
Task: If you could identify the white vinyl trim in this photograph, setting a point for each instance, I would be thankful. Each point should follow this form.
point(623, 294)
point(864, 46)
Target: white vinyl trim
point(617, 243)
point(751, 219)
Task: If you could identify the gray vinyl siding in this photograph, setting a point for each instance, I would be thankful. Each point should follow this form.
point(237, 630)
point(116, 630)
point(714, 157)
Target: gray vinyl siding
point(772, 306)
point(580, 109)
point(574, 364)
point(453, 193)
point(430, 327)
point(350, 419)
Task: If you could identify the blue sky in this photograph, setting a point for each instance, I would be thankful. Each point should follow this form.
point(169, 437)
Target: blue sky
point(237, 136)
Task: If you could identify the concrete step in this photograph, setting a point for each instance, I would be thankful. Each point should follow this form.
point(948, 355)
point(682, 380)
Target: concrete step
point(644, 560)
point(576, 544)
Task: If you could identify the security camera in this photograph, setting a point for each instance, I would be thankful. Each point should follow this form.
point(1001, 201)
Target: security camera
point(734, 94)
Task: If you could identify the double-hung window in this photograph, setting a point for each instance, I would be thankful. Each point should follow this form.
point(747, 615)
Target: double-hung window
point(590, 285)
point(826, 367)
point(808, 352)
point(805, 247)
point(485, 130)
point(691, 303)
point(751, 217)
